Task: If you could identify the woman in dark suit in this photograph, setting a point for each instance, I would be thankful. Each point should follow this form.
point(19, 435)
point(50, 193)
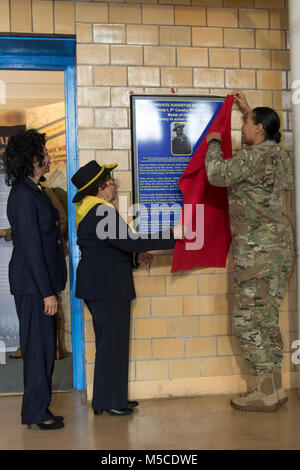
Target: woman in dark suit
point(37, 271)
point(105, 281)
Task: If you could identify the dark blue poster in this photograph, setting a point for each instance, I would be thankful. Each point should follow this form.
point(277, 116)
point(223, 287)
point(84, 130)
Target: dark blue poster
point(166, 130)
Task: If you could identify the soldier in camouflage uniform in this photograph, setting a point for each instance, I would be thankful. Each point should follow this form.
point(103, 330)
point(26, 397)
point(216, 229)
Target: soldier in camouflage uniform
point(262, 242)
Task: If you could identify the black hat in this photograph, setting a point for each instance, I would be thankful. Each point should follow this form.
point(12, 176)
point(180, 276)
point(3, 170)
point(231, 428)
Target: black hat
point(88, 176)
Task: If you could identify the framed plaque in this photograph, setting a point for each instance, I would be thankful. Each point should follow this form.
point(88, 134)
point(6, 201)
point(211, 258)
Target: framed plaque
point(166, 130)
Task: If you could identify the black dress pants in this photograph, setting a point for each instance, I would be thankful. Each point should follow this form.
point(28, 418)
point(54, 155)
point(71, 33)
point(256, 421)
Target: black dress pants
point(111, 320)
point(38, 345)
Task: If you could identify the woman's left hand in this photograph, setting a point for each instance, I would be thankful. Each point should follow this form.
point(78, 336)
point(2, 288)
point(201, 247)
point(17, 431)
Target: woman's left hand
point(145, 258)
point(213, 135)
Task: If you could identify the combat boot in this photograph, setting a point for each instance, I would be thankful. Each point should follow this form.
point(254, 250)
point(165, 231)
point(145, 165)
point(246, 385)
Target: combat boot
point(263, 398)
point(280, 392)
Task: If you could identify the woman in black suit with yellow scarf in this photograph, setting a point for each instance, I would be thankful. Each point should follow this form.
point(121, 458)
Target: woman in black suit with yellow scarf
point(105, 281)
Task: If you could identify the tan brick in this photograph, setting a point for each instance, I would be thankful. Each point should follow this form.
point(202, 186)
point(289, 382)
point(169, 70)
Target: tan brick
point(143, 76)
point(176, 77)
point(279, 19)
point(159, 55)
point(181, 285)
point(199, 304)
point(214, 325)
point(269, 79)
point(91, 12)
point(212, 78)
point(92, 54)
point(163, 306)
point(20, 11)
point(238, 38)
point(228, 345)
point(255, 59)
point(127, 55)
point(193, 16)
point(42, 16)
point(192, 57)
point(85, 117)
point(122, 139)
point(167, 348)
point(86, 156)
point(175, 36)
point(111, 117)
point(84, 33)
point(93, 96)
point(157, 14)
point(273, 4)
point(281, 60)
point(223, 17)
point(201, 347)
point(151, 370)
point(207, 37)
point(183, 327)
point(113, 156)
point(150, 328)
point(270, 39)
point(214, 3)
point(224, 303)
point(227, 58)
point(182, 368)
point(110, 75)
point(84, 75)
point(214, 284)
point(254, 19)
point(161, 264)
point(125, 180)
point(216, 366)
point(90, 351)
point(120, 96)
point(140, 350)
point(289, 302)
point(109, 33)
point(148, 287)
point(64, 18)
point(94, 138)
point(259, 98)
point(124, 13)
point(140, 307)
point(240, 366)
point(4, 17)
point(142, 34)
point(89, 331)
point(239, 3)
point(234, 78)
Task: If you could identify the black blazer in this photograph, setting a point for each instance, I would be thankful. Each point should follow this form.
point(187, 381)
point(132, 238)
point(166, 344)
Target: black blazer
point(37, 265)
point(104, 271)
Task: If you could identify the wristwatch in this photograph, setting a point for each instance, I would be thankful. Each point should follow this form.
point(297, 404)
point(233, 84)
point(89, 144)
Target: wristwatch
point(215, 141)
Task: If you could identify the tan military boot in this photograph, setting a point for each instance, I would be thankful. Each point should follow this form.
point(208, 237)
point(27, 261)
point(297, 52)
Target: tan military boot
point(280, 392)
point(263, 398)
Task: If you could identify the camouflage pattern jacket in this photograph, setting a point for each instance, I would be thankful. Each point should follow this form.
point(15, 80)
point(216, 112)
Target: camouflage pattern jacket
point(256, 178)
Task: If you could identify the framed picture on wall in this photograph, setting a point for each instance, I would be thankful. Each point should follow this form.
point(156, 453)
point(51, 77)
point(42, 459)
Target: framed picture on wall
point(166, 131)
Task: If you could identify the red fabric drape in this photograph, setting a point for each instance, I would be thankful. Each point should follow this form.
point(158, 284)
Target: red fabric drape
point(196, 191)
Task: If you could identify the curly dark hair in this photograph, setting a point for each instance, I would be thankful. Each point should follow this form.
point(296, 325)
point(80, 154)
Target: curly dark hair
point(101, 184)
point(23, 149)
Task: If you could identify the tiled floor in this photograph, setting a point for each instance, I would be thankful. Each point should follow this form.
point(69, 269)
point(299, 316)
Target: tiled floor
point(178, 423)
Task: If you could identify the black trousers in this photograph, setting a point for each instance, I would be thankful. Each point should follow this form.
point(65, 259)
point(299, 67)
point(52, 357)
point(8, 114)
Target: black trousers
point(38, 345)
point(111, 320)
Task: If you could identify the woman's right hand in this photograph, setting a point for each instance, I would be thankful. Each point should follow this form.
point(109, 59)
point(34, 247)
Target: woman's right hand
point(242, 103)
point(51, 305)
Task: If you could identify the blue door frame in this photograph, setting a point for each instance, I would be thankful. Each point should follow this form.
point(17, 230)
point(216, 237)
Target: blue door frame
point(57, 53)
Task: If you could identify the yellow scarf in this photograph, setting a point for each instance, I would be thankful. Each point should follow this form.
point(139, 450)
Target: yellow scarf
point(84, 206)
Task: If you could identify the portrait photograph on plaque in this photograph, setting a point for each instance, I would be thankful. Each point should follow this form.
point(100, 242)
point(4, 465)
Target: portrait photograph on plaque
point(166, 131)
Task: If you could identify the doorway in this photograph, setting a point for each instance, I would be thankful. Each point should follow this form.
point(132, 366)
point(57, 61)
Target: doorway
point(40, 72)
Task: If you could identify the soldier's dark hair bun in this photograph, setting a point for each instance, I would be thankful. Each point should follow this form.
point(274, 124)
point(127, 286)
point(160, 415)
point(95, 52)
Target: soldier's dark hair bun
point(270, 121)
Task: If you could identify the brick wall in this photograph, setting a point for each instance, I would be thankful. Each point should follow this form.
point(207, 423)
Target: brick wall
point(182, 335)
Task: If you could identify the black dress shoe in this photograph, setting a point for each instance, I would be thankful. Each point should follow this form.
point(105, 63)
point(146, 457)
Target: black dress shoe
point(59, 419)
point(47, 426)
point(132, 403)
point(111, 411)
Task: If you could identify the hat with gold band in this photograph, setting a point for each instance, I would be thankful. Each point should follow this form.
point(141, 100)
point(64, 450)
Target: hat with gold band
point(88, 176)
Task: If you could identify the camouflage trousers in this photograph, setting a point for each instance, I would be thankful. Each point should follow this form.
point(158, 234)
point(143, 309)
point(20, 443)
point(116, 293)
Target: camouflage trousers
point(260, 277)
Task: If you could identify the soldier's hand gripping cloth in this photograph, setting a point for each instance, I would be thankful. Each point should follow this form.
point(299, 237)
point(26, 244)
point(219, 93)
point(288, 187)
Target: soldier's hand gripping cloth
point(262, 244)
point(210, 245)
